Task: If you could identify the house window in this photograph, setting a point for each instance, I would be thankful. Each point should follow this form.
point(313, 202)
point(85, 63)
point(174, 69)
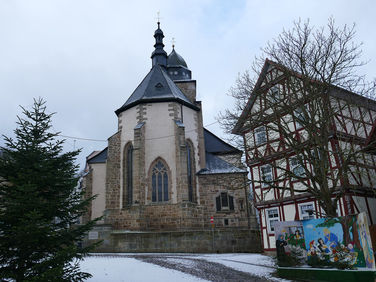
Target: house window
point(159, 183)
point(224, 202)
point(272, 216)
point(190, 173)
point(260, 135)
point(306, 211)
point(300, 116)
point(275, 93)
point(128, 175)
point(266, 175)
point(296, 167)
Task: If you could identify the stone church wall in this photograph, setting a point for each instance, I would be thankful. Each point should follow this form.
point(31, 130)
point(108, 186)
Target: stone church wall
point(212, 185)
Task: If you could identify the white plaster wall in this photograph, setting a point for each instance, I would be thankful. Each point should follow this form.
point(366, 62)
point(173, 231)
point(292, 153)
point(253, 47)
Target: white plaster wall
point(360, 202)
point(159, 137)
point(160, 141)
point(98, 205)
point(289, 211)
point(265, 239)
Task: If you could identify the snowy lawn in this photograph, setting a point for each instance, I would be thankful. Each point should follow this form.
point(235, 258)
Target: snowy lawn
point(116, 267)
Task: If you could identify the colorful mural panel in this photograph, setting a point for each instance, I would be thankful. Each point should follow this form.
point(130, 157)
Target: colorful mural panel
point(341, 242)
point(290, 242)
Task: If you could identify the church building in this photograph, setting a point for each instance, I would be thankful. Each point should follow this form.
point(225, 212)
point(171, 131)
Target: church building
point(164, 182)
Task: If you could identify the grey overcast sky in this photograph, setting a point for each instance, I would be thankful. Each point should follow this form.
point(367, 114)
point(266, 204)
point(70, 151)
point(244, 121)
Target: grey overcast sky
point(85, 57)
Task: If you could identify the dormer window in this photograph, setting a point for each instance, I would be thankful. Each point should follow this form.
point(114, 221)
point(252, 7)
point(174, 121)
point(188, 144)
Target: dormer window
point(159, 85)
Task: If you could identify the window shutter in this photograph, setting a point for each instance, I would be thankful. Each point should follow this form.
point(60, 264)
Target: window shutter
point(218, 203)
point(231, 200)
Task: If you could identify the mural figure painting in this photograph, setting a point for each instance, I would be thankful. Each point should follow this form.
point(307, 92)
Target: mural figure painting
point(342, 242)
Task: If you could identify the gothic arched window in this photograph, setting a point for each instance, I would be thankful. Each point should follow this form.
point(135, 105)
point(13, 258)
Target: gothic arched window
point(128, 175)
point(159, 182)
point(190, 171)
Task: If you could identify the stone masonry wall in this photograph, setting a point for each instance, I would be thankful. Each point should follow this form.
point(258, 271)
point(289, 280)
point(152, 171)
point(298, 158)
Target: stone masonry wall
point(203, 241)
point(113, 172)
point(188, 88)
point(187, 215)
point(234, 184)
point(87, 186)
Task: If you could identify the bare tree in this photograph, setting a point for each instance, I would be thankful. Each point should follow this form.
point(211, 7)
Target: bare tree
point(304, 101)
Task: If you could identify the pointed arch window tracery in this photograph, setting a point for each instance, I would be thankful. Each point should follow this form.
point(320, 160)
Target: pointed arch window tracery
point(159, 182)
point(190, 171)
point(128, 175)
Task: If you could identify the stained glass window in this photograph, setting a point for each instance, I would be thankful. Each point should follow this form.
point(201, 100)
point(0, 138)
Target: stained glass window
point(189, 172)
point(128, 175)
point(159, 183)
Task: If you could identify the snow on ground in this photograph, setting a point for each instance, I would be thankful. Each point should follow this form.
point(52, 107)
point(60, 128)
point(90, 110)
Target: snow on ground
point(117, 269)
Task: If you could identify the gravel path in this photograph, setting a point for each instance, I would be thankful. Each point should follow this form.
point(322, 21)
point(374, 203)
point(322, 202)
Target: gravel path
point(200, 268)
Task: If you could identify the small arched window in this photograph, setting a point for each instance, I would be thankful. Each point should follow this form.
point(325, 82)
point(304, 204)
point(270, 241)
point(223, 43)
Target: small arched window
point(128, 175)
point(159, 182)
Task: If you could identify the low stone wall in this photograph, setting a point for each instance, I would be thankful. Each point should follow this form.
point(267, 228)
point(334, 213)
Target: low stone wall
point(200, 241)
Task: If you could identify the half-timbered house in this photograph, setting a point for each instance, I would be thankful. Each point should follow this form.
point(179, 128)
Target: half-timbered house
point(280, 174)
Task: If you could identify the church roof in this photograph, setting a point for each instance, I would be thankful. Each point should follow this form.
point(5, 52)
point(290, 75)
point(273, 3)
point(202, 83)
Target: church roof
point(214, 144)
point(98, 158)
point(216, 165)
point(174, 59)
point(157, 86)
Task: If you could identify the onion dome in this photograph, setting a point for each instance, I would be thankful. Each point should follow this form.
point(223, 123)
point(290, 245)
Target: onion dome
point(174, 59)
point(177, 68)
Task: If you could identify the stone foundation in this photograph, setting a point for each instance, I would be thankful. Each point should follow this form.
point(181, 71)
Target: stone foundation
point(198, 241)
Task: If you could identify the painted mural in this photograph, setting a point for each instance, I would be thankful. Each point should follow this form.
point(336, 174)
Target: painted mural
point(290, 243)
point(342, 242)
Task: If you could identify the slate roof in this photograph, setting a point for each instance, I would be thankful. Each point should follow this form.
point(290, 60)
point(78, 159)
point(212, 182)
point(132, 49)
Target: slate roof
point(174, 59)
point(214, 144)
point(157, 86)
point(215, 165)
point(99, 158)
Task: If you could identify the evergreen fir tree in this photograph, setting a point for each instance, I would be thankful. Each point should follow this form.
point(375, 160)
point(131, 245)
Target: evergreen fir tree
point(40, 204)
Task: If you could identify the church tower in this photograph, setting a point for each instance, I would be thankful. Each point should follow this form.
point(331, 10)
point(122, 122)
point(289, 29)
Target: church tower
point(162, 170)
point(159, 146)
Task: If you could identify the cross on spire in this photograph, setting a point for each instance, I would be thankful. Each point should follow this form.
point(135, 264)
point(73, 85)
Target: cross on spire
point(173, 42)
point(158, 18)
